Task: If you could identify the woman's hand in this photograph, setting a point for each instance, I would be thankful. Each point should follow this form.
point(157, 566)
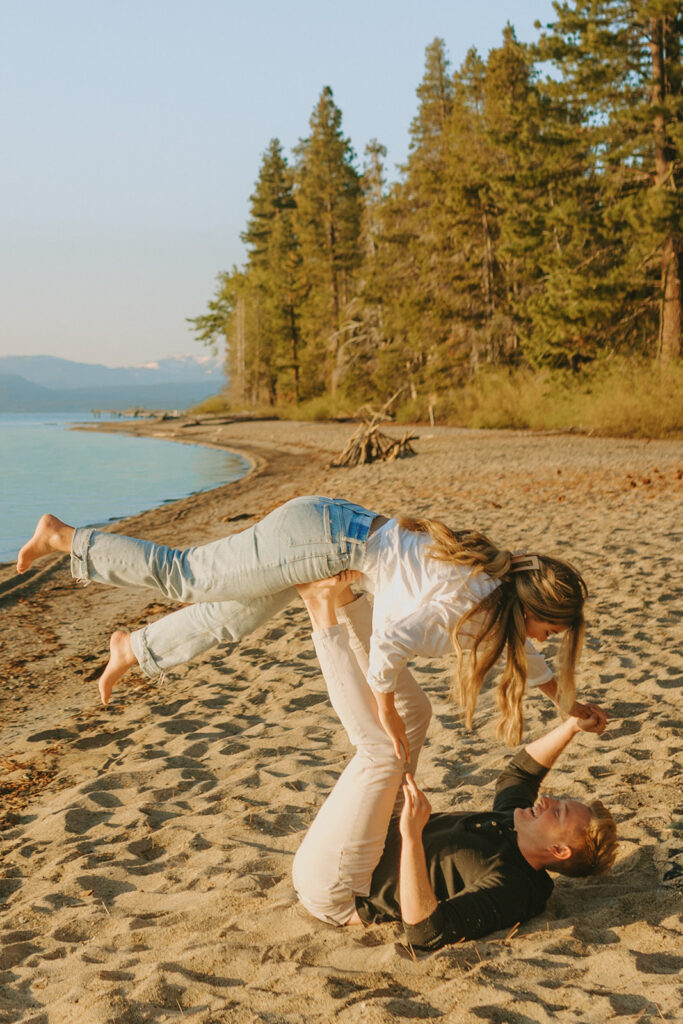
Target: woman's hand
point(393, 724)
point(586, 723)
point(416, 810)
point(578, 710)
point(582, 711)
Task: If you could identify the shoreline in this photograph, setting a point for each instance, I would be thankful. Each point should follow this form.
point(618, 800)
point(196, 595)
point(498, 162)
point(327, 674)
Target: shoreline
point(181, 805)
point(142, 428)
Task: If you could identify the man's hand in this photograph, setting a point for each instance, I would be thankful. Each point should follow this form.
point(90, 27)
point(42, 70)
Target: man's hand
point(587, 723)
point(416, 810)
point(578, 710)
point(393, 724)
point(416, 894)
point(590, 711)
point(546, 749)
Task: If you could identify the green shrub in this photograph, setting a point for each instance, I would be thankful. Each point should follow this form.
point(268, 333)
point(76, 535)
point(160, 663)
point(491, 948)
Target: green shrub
point(323, 407)
point(613, 398)
point(212, 405)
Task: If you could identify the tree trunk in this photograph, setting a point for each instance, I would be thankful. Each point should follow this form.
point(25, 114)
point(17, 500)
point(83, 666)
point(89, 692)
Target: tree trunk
point(670, 319)
point(333, 342)
point(295, 352)
point(240, 360)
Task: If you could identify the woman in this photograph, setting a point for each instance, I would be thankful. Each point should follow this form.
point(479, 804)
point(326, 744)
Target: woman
point(433, 589)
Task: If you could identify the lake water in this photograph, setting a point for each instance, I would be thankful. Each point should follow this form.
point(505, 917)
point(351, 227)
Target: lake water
point(86, 478)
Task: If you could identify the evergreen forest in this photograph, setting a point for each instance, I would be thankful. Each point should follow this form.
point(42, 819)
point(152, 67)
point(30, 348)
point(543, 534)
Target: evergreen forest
point(530, 248)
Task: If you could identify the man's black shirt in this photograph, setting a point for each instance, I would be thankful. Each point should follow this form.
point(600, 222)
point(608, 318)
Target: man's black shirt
point(480, 878)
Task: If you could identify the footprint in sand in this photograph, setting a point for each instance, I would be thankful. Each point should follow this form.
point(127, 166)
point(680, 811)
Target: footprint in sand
point(658, 963)
point(72, 932)
point(78, 821)
point(15, 952)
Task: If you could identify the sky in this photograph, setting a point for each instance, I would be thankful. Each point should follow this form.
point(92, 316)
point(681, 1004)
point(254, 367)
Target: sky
point(133, 132)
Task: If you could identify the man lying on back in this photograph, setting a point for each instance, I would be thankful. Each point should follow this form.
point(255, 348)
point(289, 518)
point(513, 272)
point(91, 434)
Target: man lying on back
point(464, 875)
point(458, 875)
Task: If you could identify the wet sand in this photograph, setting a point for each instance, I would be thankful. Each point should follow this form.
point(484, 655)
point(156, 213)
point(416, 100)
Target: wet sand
point(147, 847)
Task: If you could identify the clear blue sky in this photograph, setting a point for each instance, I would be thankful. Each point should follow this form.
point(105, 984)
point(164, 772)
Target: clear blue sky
point(132, 133)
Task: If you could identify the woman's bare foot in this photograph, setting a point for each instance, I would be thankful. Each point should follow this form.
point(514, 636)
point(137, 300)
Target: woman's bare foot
point(121, 658)
point(51, 534)
point(322, 597)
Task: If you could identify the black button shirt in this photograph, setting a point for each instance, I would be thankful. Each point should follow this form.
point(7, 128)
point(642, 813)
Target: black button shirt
point(480, 878)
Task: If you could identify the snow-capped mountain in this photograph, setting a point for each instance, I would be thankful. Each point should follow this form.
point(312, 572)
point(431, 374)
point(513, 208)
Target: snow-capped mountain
point(47, 383)
point(52, 372)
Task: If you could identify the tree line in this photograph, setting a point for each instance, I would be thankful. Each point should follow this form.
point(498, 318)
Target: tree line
point(537, 221)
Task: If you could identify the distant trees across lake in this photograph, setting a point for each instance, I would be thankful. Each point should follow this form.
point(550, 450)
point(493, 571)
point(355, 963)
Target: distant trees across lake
point(537, 223)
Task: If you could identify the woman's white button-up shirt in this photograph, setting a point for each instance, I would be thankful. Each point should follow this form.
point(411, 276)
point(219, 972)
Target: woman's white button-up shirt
point(418, 601)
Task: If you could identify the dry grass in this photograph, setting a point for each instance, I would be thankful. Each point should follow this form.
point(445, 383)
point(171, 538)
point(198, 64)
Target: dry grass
point(624, 398)
point(612, 398)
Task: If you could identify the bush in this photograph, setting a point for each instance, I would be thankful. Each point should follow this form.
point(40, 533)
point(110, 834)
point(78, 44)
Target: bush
point(323, 407)
point(613, 397)
point(213, 405)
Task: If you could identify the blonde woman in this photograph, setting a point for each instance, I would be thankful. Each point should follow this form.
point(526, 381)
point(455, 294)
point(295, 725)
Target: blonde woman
point(435, 589)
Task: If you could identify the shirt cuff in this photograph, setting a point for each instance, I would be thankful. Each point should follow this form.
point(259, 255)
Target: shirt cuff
point(528, 765)
point(427, 934)
point(382, 685)
point(541, 680)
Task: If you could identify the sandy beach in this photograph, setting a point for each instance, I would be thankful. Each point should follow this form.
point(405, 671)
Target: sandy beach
point(147, 847)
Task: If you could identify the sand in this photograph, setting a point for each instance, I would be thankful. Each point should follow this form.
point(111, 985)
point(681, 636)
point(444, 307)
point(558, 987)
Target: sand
point(147, 847)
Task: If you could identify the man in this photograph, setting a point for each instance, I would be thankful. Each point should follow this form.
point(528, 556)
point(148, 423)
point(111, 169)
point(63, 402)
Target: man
point(452, 876)
point(464, 875)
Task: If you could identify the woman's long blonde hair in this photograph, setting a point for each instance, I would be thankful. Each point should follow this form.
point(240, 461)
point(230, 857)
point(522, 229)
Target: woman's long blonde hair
point(555, 593)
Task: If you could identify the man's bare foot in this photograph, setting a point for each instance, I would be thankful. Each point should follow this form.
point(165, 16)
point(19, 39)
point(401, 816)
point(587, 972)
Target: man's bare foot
point(322, 597)
point(121, 658)
point(51, 534)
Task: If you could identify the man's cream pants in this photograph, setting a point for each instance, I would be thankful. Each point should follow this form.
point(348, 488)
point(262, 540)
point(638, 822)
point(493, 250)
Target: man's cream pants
point(343, 846)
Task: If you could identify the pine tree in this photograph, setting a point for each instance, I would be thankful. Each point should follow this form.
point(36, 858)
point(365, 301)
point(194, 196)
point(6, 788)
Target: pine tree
point(255, 308)
point(229, 319)
point(410, 274)
point(362, 335)
point(273, 270)
point(328, 216)
point(620, 62)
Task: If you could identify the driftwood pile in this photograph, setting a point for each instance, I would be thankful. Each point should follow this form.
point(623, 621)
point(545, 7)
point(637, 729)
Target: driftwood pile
point(369, 444)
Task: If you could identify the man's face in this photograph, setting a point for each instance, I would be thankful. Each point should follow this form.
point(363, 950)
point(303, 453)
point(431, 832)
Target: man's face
point(552, 823)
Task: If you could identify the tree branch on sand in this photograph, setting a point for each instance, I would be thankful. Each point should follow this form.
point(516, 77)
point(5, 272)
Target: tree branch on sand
point(369, 444)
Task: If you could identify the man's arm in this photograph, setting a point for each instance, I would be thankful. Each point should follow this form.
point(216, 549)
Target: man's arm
point(546, 749)
point(488, 911)
point(416, 895)
point(577, 709)
point(519, 782)
point(430, 924)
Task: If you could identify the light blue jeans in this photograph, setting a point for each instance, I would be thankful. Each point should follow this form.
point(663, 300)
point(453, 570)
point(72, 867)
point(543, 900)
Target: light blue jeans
point(232, 586)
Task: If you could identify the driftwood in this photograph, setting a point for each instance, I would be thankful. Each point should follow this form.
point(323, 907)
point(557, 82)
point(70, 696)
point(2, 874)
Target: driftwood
point(368, 444)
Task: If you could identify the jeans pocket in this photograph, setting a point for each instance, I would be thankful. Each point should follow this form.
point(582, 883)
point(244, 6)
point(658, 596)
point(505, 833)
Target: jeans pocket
point(305, 523)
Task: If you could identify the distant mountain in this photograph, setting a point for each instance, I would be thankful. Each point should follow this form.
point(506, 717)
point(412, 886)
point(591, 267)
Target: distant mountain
point(49, 384)
point(51, 372)
point(15, 390)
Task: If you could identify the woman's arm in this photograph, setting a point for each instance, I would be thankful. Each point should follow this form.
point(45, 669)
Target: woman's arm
point(391, 645)
point(393, 724)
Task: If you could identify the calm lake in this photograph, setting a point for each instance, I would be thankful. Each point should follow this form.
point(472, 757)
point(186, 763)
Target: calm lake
point(87, 478)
